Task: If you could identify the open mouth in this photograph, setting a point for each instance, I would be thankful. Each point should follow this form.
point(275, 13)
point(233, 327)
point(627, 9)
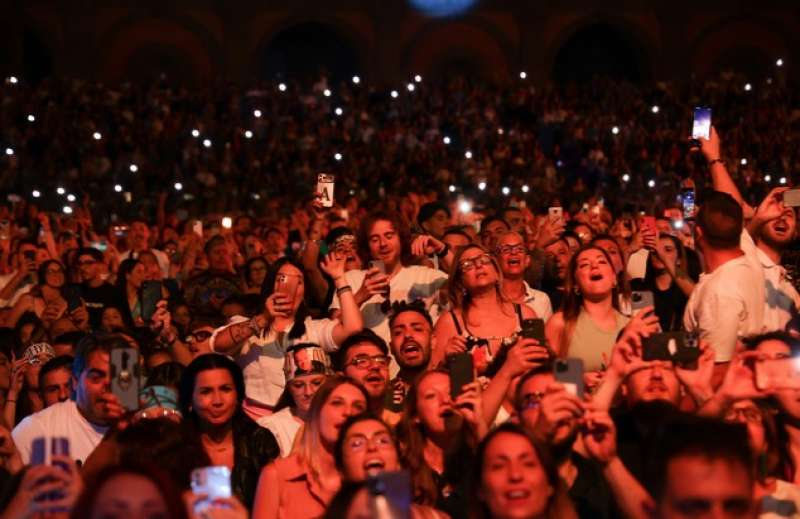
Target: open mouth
point(374, 466)
point(514, 261)
point(411, 348)
point(517, 495)
point(656, 387)
point(596, 277)
point(373, 379)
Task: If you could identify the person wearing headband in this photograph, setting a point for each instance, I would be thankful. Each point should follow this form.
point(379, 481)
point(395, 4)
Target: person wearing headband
point(306, 366)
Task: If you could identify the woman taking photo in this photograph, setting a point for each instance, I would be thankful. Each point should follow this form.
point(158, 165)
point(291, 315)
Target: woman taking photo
point(588, 325)
point(437, 436)
point(259, 344)
point(210, 398)
point(509, 463)
point(482, 320)
point(366, 447)
point(384, 244)
point(44, 299)
point(130, 277)
point(301, 485)
point(305, 368)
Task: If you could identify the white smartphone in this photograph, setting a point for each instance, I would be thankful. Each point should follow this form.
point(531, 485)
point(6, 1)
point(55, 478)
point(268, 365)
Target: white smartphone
point(325, 184)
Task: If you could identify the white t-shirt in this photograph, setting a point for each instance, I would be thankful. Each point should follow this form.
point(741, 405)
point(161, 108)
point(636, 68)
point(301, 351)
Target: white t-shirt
point(261, 358)
point(539, 302)
point(783, 503)
point(727, 304)
point(410, 284)
point(284, 427)
point(59, 420)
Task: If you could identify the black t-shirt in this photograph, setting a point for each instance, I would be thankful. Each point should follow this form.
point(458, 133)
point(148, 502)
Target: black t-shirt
point(96, 299)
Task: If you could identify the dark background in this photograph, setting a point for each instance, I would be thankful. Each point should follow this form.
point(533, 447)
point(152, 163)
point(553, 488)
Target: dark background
point(386, 41)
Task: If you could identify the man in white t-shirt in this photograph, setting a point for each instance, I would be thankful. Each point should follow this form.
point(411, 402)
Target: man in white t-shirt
point(85, 419)
point(728, 301)
point(514, 260)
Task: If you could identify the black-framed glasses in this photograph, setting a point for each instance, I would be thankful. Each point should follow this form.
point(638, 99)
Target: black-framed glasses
point(199, 336)
point(511, 249)
point(472, 263)
point(359, 442)
point(367, 361)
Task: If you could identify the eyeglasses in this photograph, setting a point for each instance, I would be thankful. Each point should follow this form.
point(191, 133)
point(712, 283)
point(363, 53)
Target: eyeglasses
point(750, 414)
point(365, 361)
point(479, 261)
point(511, 249)
point(359, 442)
point(531, 401)
point(199, 336)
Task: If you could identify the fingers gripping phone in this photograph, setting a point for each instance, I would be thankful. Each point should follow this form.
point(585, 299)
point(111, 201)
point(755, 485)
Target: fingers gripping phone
point(569, 372)
point(213, 482)
point(641, 299)
point(325, 184)
point(701, 125)
point(681, 348)
point(461, 372)
point(150, 296)
point(126, 377)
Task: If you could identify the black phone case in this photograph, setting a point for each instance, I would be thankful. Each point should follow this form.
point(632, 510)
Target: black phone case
point(150, 296)
point(461, 372)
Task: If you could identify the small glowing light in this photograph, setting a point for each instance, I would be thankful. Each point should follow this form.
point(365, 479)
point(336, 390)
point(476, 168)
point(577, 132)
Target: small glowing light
point(257, 113)
point(394, 94)
point(36, 193)
point(178, 186)
point(464, 206)
point(523, 75)
point(227, 223)
point(326, 92)
point(468, 154)
point(118, 188)
point(769, 80)
point(256, 196)
point(615, 130)
point(782, 180)
point(651, 183)
point(481, 185)
point(31, 118)
point(743, 162)
point(70, 197)
point(67, 209)
point(626, 178)
point(418, 78)
point(410, 87)
point(9, 151)
point(678, 224)
point(195, 133)
point(356, 80)
point(446, 139)
point(338, 111)
point(282, 87)
point(525, 188)
point(500, 131)
point(134, 168)
point(779, 62)
point(559, 163)
point(452, 188)
point(767, 178)
point(655, 109)
point(248, 134)
point(748, 87)
point(60, 190)
point(506, 190)
point(97, 136)
point(207, 143)
point(337, 156)
point(12, 80)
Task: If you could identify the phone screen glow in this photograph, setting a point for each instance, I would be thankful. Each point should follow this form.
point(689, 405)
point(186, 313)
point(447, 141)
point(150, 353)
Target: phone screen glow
point(702, 123)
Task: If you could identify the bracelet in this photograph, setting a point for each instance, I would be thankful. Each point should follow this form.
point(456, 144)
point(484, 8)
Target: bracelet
point(442, 253)
point(712, 162)
point(342, 290)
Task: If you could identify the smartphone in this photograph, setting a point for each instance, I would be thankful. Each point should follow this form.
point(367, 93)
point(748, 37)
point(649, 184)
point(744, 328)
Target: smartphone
point(149, 296)
point(780, 373)
point(390, 495)
point(72, 293)
point(286, 285)
point(197, 228)
point(641, 299)
point(59, 446)
point(701, 126)
point(791, 198)
point(120, 231)
point(649, 223)
point(102, 245)
point(213, 482)
point(125, 377)
point(569, 372)
point(461, 372)
point(681, 348)
point(325, 184)
point(555, 213)
point(380, 265)
point(687, 201)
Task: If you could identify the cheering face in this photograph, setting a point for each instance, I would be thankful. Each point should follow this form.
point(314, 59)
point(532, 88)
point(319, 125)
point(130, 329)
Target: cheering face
point(214, 399)
point(384, 243)
point(303, 389)
point(511, 254)
point(368, 365)
point(411, 340)
point(368, 450)
point(477, 270)
point(128, 496)
point(781, 231)
point(594, 275)
point(614, 252)
point(434, 405)
point(560, 254)
point(697, 486)
point(513, 481)
point(656, 381)
point(344, 401)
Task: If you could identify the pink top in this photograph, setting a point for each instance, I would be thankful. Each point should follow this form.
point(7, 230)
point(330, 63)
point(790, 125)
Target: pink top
point(300, 495)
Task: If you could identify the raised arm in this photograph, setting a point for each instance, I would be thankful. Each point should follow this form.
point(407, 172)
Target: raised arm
point(351, 320)
point(720, 177)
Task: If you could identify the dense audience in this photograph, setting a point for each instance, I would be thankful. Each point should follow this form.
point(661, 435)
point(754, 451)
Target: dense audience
point(523, 302)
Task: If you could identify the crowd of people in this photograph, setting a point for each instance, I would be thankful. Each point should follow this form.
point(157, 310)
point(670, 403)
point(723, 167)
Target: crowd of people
point(521, 303)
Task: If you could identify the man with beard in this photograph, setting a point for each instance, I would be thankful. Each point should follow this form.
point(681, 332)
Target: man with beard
point(412, 336)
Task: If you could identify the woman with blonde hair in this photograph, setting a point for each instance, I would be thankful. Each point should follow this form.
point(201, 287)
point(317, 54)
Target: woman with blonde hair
point(302, 484)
